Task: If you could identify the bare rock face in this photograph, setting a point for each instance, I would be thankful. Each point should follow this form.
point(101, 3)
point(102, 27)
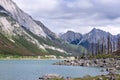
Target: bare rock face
point(71, 36)
point(94, 37)
point(22, 30)
point(21, 17)
point(10, 28)
point(49, 33)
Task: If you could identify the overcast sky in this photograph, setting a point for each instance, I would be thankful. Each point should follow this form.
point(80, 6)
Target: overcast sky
point(76, 15)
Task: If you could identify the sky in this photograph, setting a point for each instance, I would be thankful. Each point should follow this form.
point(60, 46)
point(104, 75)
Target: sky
point(75, 15)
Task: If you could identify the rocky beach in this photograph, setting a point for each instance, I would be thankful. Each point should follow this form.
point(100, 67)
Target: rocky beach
point(109, 76)
point(111, 65)
point(105, 63)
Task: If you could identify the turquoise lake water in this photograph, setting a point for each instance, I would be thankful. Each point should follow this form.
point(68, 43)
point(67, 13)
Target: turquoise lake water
point(33, 69)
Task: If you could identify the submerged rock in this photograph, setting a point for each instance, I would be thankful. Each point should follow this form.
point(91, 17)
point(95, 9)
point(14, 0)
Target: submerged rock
point(50, 76)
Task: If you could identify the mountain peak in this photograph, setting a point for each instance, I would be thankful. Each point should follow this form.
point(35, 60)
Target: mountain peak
point(96, 30)
point(69, 31)
point(72, 32)
point(71, 36)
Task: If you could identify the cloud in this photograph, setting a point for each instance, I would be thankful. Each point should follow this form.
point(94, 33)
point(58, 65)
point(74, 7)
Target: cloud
point(37, 6)
point(77, 15)
point(83, 4)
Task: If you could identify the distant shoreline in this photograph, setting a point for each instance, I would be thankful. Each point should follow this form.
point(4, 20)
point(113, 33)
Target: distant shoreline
point(17, 57)
point(28, 59)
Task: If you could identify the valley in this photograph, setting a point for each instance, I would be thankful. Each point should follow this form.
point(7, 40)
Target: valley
point(67, 43)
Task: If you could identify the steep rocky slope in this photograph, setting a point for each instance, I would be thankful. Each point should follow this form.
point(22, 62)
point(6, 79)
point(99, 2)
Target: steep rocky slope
point(24, 36)
point(71, 37)
point(92, 38)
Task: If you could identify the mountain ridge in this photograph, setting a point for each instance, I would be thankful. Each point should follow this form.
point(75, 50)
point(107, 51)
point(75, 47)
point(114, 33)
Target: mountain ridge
point(95, 37)
point(71, 37)
point(27, 36)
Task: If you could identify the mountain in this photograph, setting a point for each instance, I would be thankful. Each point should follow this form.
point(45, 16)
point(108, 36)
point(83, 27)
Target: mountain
point(99, 37)
point(95, 36)
point(21, 17)
point(71, 37)
point(49, 33)
point(16, 39)
point(20, 34)
point(92, 38)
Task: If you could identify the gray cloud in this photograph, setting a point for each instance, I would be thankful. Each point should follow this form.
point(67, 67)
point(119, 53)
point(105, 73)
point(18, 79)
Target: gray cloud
point(61, 15)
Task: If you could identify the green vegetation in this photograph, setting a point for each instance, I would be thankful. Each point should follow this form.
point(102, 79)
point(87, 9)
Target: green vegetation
point(90, 78)
point(97, 78)
point(42, 40)
point(3, 14)
point(74, 49)
point(99, 56)
point(56, 53)
point(21, 41)
point(8, 55)
point(6, 46)
point(21, 46)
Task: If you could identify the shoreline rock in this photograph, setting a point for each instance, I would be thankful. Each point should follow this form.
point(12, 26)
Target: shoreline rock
point(50, 76)
point(110, 76)
point(104, 63)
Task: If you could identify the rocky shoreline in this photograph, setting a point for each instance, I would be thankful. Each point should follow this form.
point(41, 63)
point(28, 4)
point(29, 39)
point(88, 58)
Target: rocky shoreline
point(109, 76)
point(112, 66)
point(108, 63)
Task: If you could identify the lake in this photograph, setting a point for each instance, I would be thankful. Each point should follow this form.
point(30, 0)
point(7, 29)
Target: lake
point(33, 69)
